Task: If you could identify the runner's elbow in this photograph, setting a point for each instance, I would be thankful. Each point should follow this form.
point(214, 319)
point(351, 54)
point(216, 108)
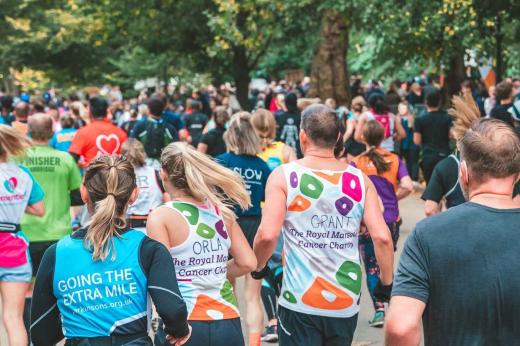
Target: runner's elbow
point(265, 237)
point(382, 239)
point(399, 331)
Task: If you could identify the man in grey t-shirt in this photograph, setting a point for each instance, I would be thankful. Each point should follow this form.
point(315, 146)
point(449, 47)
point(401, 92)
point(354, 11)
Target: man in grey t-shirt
point(459, 269)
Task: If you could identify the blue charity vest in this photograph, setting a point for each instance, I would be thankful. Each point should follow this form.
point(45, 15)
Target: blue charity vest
point(101, 298)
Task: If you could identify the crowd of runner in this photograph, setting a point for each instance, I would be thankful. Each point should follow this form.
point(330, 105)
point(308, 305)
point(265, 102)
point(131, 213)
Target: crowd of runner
point(172, 196)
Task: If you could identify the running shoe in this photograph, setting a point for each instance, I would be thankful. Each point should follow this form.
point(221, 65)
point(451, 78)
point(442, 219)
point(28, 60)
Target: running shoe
point(379, 319)
point(270, 334)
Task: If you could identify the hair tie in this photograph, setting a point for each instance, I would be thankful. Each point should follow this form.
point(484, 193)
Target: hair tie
point(111, 194)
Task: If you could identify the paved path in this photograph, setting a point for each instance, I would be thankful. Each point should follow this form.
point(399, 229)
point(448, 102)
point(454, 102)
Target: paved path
point(411, 211)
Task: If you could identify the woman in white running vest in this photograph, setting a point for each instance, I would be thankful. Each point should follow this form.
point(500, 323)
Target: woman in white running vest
point(199, 228)
point(151, 190)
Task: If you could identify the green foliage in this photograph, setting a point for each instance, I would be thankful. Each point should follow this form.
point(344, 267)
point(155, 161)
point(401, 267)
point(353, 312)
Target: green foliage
point(78, 42)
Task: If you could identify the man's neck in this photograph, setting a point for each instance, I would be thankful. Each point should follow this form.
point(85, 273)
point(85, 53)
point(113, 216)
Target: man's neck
point(319, 153)
point(431, 110)
point(506, 101)
point(494, 193)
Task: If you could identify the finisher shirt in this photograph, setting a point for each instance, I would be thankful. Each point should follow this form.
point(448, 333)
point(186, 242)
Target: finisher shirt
point(463, 264)
point(18, 189)
point(58, 174)
point(322, 274)
point(255, 172)
point(99, 137)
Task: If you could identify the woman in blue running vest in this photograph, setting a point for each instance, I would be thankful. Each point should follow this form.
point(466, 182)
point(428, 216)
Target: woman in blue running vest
point(92, 287)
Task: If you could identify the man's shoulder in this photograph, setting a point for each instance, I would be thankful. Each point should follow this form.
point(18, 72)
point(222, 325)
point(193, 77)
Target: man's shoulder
point(448, 164)
point(446, 222)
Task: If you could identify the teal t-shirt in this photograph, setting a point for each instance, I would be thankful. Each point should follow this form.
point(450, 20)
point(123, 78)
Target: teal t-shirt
point(57, 173)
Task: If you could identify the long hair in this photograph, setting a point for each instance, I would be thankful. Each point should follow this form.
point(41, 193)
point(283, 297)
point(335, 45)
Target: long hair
point(200, 177)
point(241, 137)
point(465, 112)
point(109, 181)
point(12, 142)
point(263, 121)
point(374, 134)
point(134, 151)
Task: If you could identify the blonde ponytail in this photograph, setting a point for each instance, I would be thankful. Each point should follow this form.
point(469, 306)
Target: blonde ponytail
point(109, 181)
point(12, 142)
point(202, 178)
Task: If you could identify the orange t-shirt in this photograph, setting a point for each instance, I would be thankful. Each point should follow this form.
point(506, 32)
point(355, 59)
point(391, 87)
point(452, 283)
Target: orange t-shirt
point(100, 137)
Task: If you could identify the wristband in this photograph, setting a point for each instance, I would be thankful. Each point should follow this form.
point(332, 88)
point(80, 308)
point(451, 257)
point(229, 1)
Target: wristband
point(259, 275)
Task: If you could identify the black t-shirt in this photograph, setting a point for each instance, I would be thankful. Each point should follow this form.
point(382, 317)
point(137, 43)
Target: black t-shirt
point(463, 264)
point(195, 123)
point(288, 130)
point(435, 130)
point(215, 141)
point(500, 112)
point(444, 183)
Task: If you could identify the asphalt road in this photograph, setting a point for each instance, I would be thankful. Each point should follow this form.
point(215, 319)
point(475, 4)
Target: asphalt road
point(412, 211)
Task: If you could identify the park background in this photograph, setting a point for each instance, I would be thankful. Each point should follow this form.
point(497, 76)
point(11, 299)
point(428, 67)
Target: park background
point(74, 44)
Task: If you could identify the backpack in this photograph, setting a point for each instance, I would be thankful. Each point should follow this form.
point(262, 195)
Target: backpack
point(383, 119)
point(155, 137)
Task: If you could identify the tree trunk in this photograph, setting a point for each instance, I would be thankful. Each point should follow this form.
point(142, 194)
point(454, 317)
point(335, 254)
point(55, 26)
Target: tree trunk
point(241, 76)
point(456, 74)
point(329, 76)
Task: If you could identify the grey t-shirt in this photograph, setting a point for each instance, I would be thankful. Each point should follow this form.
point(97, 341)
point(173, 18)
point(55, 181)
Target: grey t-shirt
point(465, 265)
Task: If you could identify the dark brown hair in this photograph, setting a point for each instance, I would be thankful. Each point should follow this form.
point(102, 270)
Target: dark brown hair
point(109, 181)
point(490, 148)
point(374, 133)
point(503, 90)
point(322, 125)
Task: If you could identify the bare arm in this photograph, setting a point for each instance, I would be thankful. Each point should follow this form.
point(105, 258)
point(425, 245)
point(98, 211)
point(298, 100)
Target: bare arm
point(36, 209)
point(244, 260)
point(273, 216)
point(380, 234)
point(288, 154)
point(400, 132)
point(417, 138)
point(431, 207)
point(156, 228)
point(405, 187)
point(358, 135)
point(203, 148)
point(403, 321)
point(351, 125)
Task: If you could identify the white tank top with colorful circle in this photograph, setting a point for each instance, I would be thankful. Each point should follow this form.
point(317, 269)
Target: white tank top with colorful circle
point(322, 273)
point(201, 264)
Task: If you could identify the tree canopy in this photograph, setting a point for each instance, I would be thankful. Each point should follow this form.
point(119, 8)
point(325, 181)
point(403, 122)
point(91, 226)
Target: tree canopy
point(80, 42)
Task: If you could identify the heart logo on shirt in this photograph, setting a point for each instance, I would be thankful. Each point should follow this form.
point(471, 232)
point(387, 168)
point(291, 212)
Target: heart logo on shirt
point(108, 145)
point(11, 184)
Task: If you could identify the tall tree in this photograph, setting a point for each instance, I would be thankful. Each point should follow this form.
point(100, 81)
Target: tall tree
point(329, 76)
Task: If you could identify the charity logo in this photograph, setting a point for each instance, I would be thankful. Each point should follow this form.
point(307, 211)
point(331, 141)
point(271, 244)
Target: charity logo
point(108, 144)
point(11, 184)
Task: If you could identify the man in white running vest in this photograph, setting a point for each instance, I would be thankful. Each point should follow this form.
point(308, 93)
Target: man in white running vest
point(320, 204)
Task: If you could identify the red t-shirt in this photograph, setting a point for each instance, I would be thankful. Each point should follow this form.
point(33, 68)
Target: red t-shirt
point(100, 137)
